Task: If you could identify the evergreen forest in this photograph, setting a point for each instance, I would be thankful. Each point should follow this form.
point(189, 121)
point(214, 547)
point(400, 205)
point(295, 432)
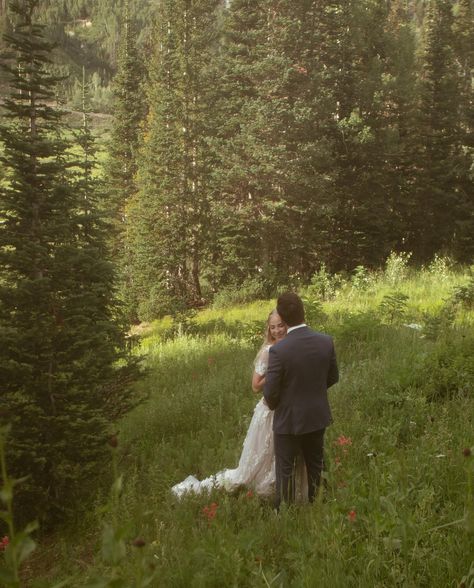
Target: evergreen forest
point(166, 164)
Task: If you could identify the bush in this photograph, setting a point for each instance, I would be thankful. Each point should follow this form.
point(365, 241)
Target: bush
point(250, 290)
point(396, 268)
point(449, 370)
point(441, 267)
point(464, 295)
point(323, 285)
point(361, 279)
point(393, 306)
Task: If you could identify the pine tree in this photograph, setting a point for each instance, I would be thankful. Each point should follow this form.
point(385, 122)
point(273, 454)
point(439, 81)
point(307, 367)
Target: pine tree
point(274, 180)
point(463, 34)
point(169, 219)
point(440, 155)
point(59, 339)
point(121, 168)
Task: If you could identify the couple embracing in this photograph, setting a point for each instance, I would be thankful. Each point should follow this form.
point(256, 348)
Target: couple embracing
point(283, 450)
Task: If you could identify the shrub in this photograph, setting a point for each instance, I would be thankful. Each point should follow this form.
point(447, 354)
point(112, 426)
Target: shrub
point(437, 324)
point(449, 370)
point(440, 267)
point(396, 268)
point(464, 295)
point(323, 285)
point(393, 306)
point(361, 278)
point(250, 290)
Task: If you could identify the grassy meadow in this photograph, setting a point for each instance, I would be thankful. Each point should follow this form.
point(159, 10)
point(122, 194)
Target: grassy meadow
point(399, 506)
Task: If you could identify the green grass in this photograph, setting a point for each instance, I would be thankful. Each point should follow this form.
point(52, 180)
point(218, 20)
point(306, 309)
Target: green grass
point(404, 399)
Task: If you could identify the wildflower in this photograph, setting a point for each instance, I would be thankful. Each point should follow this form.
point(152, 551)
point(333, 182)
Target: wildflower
point(138, 542)
point(210, 511)
point(249, 494)
point(300, 69)
point(4, 543)
point(342, 441)
point(352, 516)
point(467, 452)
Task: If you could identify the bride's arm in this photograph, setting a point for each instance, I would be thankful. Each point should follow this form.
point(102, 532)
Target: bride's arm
point(258, 382)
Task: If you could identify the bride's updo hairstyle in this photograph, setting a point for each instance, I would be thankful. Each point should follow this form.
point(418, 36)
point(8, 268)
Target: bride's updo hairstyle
point(290, 308)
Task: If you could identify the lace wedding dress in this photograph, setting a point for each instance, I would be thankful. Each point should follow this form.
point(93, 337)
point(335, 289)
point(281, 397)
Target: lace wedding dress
point(256, 469)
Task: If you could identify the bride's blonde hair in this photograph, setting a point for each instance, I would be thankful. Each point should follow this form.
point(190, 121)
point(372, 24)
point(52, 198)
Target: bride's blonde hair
point(267, 338)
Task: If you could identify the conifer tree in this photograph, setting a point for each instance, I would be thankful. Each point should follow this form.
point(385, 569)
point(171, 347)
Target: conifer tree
point(59, 339)
point(440, 159)
point(121, 168)
point(169, 218)
point(274, 180)
point(463, 33)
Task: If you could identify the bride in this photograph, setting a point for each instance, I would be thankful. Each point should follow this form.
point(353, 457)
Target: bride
point(256, 469)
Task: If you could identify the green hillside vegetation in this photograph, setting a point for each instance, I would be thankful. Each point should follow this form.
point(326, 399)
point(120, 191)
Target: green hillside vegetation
point(399, 505)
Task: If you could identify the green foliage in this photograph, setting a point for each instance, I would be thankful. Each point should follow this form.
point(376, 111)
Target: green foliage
point(464, 294)
point(250, 290)
point(394, 306)
point(436, 324)
point(448, 371)
point(20, 544)
point(399, 472)
point(61, 338)
point(360, 279)
point(396, 267)
point(323, 285)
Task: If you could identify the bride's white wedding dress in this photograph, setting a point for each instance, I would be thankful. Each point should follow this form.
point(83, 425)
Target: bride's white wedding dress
point(256, 469)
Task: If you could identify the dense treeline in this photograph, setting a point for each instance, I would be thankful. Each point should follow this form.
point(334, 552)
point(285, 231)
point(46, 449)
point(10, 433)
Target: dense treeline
point(279, 137)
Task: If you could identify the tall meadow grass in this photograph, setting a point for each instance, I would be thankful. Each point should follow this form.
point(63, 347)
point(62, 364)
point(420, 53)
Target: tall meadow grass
point(397, 505)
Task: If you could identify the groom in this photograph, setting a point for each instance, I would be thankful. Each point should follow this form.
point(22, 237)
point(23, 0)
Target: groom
point(301, 368)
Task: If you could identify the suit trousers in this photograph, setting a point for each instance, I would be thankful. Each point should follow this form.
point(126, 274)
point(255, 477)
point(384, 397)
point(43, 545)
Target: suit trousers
point(287, 449)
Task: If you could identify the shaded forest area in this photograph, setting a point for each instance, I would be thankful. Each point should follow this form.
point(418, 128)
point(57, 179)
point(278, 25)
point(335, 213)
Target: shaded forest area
point(261, 143)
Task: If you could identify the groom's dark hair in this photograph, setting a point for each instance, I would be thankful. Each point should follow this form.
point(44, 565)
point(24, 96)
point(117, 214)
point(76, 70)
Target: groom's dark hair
point(290, 308)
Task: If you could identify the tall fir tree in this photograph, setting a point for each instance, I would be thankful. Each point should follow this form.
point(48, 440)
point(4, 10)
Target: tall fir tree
point(59, 339)
point(169, 218)
point(463, 33)
point(440, 158)
point(274, 180)
point(121, 168)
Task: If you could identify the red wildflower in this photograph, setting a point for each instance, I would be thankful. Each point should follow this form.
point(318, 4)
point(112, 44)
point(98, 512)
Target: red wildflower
point(352, 516)
point(300, 69)
point(342, 441)
point(249, 494)
point(4, 542)
point(210, 511)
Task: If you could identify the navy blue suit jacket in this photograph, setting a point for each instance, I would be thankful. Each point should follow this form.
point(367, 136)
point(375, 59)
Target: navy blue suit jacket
point(301, 368)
